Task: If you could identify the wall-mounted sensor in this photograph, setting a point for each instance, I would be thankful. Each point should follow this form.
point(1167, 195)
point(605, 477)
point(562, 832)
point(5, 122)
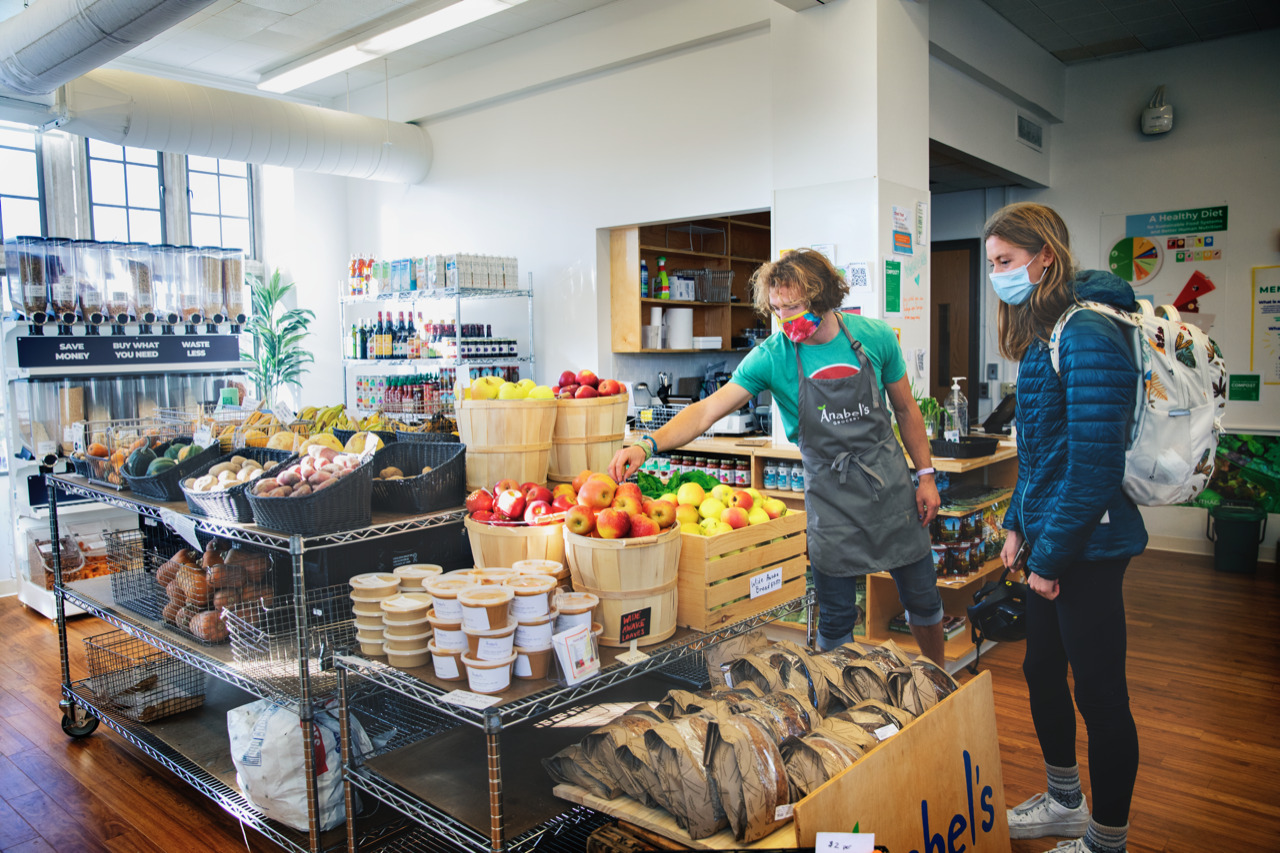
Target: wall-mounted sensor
point(1158, 116)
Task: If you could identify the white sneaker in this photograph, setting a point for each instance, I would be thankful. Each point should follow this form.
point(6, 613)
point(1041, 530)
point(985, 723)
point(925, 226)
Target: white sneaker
point(1075, 845)
point(1043, 815)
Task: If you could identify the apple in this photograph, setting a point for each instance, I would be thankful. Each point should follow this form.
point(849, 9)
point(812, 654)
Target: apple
point(690, 528)
point(527, 485)
point(663, 512)
point(535, 492)
point(541, 392)
point(755, 494)
point(722, 493)
point(742, 499)
point(626, 502)
point(691, 494)
point(511, 503)
point(756, 515)
point(597, 493)
point(503, 485)
point(580, 479)
point(564, 489)
point(484, 516)
point(687, 514)
point(710, 508)
point(534, 509)
point(632, 489)
point(480, 499)
point(735, 517)
point(603, 476)
point(773, 507)
point(584, 392)
point(560, 503)
point(643, 525)
point(586, 377)
point(669, 497)
point(609, 387)
point(568, 377)
point(613, 524)
point(580, 520)
point(566, 392)
point(708, 526)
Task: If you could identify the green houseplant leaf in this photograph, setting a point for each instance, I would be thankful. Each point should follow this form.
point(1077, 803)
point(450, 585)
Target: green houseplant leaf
point(278, 356)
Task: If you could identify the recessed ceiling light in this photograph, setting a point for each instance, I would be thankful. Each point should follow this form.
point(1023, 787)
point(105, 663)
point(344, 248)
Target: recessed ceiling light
point(397, 38)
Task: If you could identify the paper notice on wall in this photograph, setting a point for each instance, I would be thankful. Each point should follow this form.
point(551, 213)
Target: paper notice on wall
point(892, 287)
point(1264, 355)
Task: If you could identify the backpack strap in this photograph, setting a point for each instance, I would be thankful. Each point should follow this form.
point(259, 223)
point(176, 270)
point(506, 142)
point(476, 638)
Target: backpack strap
point(1123, 317)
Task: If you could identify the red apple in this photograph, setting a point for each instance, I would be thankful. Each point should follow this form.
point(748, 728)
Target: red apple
point(663, 512)
point(555, 390)
point(609, 387)
point(568, 377)
point(511, 503)
point(632, 489)
point(627, 503)
point(735, 517)
point(565, 489)
point(503, 485)
point(580, 479)
point(600, 475)
point(480, 499)
point(597, 493)
point(534, 492)
point(586, 377)
point(484, 516)
point(580, 520)
point(560, 503)
point(742, 499)
point(566, 392)
point(643, 525)
point(584, 392)
point(613, 524)
point(534, 509)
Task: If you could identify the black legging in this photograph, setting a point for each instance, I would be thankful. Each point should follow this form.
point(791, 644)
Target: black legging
point(1084, 626)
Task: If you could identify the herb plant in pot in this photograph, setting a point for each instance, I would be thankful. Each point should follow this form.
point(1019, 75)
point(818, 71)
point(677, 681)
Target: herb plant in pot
point(279, 357)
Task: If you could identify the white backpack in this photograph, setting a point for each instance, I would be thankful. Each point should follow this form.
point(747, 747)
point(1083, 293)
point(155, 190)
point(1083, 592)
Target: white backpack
point(1182, 392)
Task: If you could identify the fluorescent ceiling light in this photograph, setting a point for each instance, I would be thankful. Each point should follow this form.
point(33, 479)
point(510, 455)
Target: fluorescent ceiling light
point(397, 38)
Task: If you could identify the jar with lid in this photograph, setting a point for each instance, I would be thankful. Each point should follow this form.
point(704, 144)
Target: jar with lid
point(742, 474)
point(797, 477)
point(138, 262)
point(28, 290)
point(209, 275)
point(770, 474)
point(700, 464)
point(90, 279)
point(118, 283)
point(728, 471)
point(233, 286)
point(60, 274)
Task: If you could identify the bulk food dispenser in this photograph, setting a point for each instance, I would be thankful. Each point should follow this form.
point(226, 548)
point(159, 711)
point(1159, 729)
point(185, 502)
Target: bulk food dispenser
point(166, 275)
point(118, 285)
point(28, 290)
point(89, 280)
point(233, 288)
point(139, 262)
point(209, 279)
point(60, 275)
point(191, 287)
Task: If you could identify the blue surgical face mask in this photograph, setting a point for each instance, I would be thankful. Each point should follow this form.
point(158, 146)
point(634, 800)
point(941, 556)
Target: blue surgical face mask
point(1015, 286)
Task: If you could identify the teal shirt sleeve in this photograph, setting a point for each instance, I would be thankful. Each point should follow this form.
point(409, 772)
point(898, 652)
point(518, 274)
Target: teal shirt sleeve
point(755, 372)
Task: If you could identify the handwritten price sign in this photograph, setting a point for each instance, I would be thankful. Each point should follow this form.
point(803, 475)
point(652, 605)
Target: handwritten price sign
point(766, 582)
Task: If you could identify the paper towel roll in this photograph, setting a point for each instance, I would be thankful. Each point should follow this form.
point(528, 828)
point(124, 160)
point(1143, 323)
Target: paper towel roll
point(655, 316)
point(679, 328)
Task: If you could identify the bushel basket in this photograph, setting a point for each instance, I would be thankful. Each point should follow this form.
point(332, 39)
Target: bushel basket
point(230, 504)
point(168, 485)
point(443, 487)
point(346, 506)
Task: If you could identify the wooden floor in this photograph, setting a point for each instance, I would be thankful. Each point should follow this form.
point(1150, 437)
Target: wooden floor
point(1204, 675)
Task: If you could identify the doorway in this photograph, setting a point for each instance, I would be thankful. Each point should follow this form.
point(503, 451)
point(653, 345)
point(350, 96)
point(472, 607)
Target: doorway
point(955, 279)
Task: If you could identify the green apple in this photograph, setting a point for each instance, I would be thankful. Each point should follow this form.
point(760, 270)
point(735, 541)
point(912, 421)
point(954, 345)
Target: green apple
point(722, 493)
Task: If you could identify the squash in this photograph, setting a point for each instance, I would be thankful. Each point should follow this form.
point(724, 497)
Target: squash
point(189, 451)
point(159, 466)
point(174, 450)
point(136, 464)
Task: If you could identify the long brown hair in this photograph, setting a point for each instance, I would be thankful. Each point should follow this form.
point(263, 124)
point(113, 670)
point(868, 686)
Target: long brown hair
point(810, 272)
point(1031, 226)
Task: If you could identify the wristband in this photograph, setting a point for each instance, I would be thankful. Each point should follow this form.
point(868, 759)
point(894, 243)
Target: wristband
point(653, 445)
point(923, 471)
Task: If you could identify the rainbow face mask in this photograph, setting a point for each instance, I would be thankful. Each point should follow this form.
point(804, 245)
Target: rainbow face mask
point(800, 327)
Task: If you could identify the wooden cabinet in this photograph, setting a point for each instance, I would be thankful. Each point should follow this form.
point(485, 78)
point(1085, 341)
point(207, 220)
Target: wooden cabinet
point(737, 243)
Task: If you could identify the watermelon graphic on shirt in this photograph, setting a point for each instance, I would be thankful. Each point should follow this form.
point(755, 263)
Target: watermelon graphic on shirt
point(835, 371)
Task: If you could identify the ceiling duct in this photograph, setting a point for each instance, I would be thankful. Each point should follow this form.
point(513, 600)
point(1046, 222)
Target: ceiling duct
point(54, 41)
point(181, 118)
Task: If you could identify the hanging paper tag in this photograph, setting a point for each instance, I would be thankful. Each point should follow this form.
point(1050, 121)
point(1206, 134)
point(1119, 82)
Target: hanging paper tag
point(467, 699)
point(203, 437)
point(885, 732)
point(183, 525)
point(77, 436)
point(845, 842)
point(282, 412)
point(784, 812)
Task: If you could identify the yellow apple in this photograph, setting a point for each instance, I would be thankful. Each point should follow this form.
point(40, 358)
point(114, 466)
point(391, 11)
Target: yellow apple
point(756, 515)
point(722, 493)
point(670, 496)
point(511, 391)
point(541, 392)
point(755, 494)
point(690, 528)
point(527, 384)
point(484, 391)
point(710, 508)
point(687, 514)
point(690, 493)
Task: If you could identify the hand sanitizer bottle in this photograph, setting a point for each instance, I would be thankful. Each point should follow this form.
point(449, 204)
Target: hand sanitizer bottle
point(957, 406)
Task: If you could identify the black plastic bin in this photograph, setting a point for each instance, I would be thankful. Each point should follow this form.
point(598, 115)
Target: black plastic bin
point(1237, 528)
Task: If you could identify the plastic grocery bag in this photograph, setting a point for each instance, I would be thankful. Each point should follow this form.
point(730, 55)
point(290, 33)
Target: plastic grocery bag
point(266, 746)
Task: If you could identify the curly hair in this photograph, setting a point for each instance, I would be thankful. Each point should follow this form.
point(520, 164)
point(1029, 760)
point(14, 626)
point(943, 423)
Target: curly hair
point(1031, 226)
point(810, 272)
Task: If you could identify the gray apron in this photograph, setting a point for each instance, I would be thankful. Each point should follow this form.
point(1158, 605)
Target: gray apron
point(858, 493)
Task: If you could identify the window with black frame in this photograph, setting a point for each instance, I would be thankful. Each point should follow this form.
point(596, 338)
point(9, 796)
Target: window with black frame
point(125, 193)
point(219, 194)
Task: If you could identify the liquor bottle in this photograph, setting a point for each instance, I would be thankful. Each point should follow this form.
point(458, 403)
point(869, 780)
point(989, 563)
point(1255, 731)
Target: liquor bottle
point(412, 340)
point(402, 335)
point(364, 341)
point(382, 338)
point(355, 342)
point(664, 286)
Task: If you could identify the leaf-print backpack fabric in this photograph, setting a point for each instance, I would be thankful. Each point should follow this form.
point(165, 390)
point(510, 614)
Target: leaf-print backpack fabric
point(1182, 392)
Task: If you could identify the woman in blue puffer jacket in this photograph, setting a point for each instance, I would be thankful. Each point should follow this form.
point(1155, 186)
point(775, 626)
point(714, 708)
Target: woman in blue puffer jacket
point(1078, 526)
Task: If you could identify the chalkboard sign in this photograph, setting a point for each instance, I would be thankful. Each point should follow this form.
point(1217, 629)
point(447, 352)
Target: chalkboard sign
point(634, 625)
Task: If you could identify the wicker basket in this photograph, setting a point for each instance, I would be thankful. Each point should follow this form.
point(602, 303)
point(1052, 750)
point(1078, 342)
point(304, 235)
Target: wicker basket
point(968, 447)
point(346, 506)
point(168, 486)
point(344, 435)
point(406, 436)
point(443, 487)
point(230, 504)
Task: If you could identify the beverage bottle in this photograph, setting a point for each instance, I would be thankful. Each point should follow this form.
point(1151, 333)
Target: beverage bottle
point(364, 341)
point(770, 474)
point(402, 338)
point(375, 335)
point(383, 326)
point(355, 342)
point(957, 407)
point(644, 279)
point(796, 479)
point(664, 286)
point(412, 339)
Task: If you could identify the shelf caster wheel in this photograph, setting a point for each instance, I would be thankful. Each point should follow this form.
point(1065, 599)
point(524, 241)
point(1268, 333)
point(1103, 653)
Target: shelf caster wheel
point(76, 721)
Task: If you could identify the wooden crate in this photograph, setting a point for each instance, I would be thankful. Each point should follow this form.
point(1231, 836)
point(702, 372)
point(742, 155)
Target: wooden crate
point(716, 571)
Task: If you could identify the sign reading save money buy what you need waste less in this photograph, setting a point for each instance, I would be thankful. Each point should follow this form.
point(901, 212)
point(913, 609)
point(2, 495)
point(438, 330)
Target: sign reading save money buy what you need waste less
point(125, 350)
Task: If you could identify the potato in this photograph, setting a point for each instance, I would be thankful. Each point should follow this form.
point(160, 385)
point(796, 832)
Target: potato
point(175, 592)
point(208, 626)
point(280, 492)
point(426, 469)
point(238, 460)
point(391, 472)
point(318, 477)
point(205, 483)
point(254, 473)
point(301, 491)
point(167, 572)
point(226, 598)
point(326, 484)
point(289, 478)
point(170, 613)
point(265, 485)
point(223, 576)
point(222, 466)
point(271, 466)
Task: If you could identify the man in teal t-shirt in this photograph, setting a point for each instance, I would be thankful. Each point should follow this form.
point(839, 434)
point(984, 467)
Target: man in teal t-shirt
point(771, 366)
point(830, 373)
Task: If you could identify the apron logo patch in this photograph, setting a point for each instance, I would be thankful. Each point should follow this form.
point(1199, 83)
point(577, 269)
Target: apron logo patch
point(844, 416)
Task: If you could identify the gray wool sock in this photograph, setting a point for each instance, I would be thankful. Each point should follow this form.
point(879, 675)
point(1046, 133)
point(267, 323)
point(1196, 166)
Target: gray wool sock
point(1106, 839)
point(1064, 784)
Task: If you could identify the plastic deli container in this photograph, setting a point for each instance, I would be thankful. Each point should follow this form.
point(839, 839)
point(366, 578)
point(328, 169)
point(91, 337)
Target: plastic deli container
point(369, 623)
point(413, 643)
point(448, 632)
point(492, 644)
point(485, 607)
point(532, 664)
point(444, 595)
point(367, 608)
point(575, 608)
point(536, 633)
point(374, 586)
point(406, 629)
point(489, 676)
point(408, 660)
point(405, 607)
point(368, 648)
point(491, 576)
point(532, 595)
point(446, 662)
point(413, 577)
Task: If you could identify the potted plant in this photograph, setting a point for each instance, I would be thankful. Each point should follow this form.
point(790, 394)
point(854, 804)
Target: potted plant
point(278, 356)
